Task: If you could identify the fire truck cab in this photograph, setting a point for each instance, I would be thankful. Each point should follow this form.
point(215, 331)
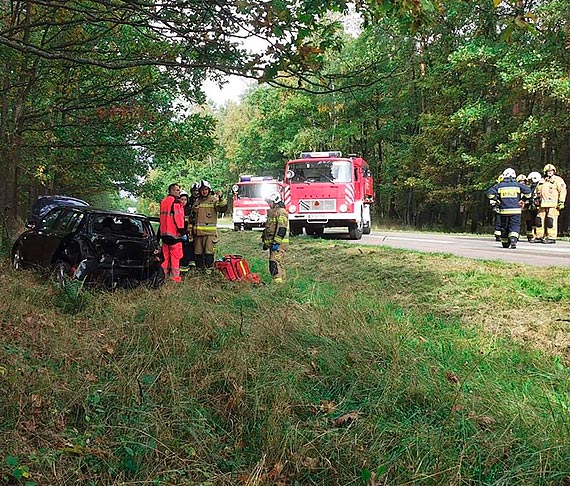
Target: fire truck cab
point(326, 190)
point(249, 206)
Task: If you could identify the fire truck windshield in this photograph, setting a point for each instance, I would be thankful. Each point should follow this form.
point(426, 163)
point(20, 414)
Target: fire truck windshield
point(257, 191)
point(320, 171)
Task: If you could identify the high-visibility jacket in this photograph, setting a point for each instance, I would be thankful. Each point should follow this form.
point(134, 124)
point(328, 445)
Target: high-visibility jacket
point(551, 191)
point(507, 194)
point(205, 214)
point(171, 219)
point(276, 227)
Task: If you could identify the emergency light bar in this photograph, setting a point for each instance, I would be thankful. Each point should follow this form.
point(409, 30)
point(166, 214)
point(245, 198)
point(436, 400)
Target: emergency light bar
point(250, 178)
point(321, 155)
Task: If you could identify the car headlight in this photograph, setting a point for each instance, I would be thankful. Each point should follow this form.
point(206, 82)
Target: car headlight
point(343, 208)
point(292, 208)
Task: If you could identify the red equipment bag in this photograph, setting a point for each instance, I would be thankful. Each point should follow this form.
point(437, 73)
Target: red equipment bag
point(235, 267)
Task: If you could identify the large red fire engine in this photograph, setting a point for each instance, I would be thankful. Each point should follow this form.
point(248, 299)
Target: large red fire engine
point(249, 206)
point(326, 190)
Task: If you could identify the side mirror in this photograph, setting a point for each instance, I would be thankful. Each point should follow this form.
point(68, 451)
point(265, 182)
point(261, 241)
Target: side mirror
point(290, 174)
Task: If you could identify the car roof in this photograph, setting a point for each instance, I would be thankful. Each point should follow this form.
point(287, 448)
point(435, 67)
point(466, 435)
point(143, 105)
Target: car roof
point(112, 212)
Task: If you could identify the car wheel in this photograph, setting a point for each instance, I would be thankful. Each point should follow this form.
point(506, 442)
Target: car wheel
point(17, 258)
point(61, 272)
point(157, 278)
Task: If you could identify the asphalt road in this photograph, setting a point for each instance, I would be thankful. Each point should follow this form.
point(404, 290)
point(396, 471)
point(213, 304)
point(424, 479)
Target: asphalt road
point(480, 247)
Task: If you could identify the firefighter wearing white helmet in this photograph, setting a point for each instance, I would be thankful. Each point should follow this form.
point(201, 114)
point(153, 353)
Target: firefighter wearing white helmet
point(275, 236)
point(505, 197)
point(551, 195)
point(205, 218)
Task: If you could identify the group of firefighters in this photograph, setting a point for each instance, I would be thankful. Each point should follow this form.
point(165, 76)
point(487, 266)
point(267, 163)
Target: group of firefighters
point(189, 235)
point(534, 201)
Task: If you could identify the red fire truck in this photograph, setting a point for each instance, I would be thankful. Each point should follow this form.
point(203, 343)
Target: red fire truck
point(326, 190)
point(249, 206)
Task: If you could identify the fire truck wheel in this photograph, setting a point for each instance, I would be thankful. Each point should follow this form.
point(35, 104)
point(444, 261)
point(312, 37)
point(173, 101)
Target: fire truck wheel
point(237, 227)
point(366, 229)
point(355, 231)
point(295, 228)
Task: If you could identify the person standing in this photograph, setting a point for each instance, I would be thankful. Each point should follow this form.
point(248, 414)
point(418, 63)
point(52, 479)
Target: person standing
point(172, 232)
point(497, 232)
point(205, 218)
point(506, 199)
point(530, 208)
point(551, 194)
point(188, 245)
point(275, 236)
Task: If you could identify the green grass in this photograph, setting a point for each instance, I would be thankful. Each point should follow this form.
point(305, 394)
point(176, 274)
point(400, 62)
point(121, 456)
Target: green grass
point(368, 366)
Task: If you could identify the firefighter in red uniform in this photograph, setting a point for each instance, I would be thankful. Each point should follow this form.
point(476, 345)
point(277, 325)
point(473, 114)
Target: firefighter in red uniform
point(172, 232)
point(275, 236)
point(204, 218)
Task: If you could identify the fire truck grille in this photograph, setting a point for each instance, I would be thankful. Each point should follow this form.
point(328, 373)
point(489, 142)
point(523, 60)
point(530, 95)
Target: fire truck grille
point(317, 205)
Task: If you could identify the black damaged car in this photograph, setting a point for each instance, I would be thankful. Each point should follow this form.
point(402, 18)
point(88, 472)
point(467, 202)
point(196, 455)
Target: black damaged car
point(114, 248)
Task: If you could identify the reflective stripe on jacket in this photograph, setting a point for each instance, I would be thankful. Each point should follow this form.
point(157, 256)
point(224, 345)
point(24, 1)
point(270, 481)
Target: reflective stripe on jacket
point(507, 194)
point(276, 220)
point(551, 191)
point(205, 214)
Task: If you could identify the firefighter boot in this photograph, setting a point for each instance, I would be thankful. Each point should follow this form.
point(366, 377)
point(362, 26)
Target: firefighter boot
point(199, 262)
point(513, 241)
point(209, 262)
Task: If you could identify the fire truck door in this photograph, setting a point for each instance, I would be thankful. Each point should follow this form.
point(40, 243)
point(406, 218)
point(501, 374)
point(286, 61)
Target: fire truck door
point(357, 184)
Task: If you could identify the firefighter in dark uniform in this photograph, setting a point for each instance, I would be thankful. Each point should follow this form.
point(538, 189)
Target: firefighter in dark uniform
point(505, 197)
point(204, 219)
point(497, 232)
point(275, 236)
point(531, 206)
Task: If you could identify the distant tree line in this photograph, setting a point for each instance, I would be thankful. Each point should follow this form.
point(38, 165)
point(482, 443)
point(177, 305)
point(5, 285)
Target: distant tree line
point(438, 112)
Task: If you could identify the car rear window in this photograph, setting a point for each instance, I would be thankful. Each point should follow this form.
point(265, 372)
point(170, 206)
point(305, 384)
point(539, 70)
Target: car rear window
point(120, 225)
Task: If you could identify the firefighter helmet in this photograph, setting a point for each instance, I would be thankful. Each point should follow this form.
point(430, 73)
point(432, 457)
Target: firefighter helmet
point(183, 193)
point(548, 167)
point(195, 186)
point(274, 198)
point(204, 183)
point(521, 178)
point(534, 177)
point(509, 173)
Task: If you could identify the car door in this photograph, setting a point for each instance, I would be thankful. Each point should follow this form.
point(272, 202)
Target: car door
point(33, 241)
point(64, 227)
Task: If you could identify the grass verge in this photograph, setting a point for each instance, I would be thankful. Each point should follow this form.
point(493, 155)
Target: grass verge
point(369, 366)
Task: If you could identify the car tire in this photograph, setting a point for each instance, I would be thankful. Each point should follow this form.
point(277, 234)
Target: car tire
point(157, 278)
point(61, 272)
point(17, 263)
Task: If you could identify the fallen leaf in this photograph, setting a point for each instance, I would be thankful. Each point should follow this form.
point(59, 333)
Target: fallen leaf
point(91, 377)
point(275, 472)
point(345, 419)
point(311, 463)
point(451, 377)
